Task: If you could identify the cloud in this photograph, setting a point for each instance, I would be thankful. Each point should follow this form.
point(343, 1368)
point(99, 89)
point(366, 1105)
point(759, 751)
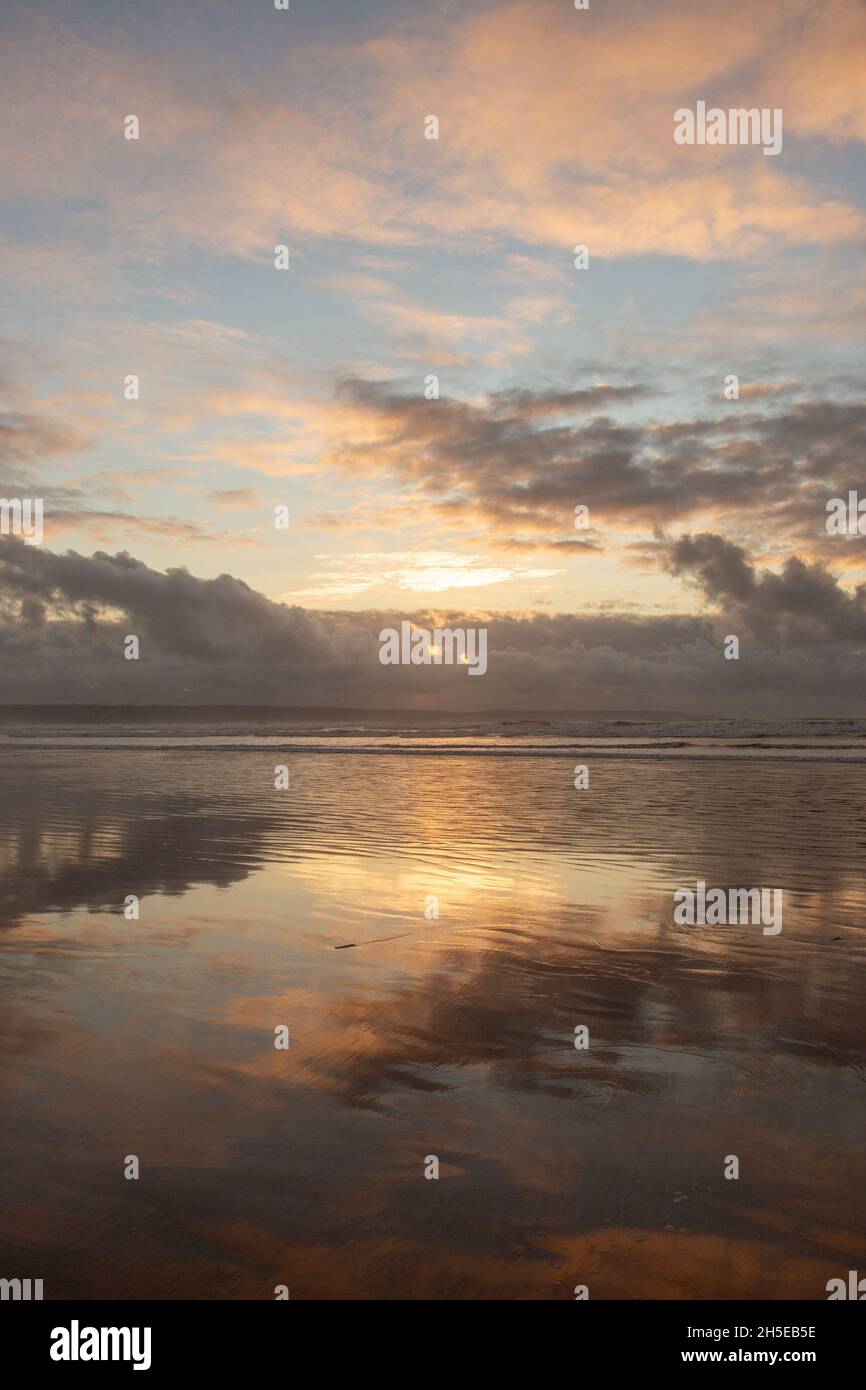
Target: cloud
point(63, 619)
point(230, 497)
point(416, 571)
point(518, 462)
point(803, 606)
point(104, 526)
point(528, 150)
point(24, 439)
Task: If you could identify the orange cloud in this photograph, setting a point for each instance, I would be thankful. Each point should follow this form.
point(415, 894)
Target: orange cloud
point(556, 127)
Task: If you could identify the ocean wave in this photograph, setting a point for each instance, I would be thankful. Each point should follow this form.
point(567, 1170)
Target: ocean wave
point(475, 747)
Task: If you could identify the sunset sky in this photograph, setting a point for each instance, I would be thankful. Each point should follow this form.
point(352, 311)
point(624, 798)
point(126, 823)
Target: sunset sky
point(412, 257)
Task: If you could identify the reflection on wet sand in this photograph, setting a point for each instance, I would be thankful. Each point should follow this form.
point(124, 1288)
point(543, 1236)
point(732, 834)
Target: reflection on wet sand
point(455, 1037)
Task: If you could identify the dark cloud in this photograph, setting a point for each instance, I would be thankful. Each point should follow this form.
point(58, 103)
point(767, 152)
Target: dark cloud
point(530, 404)
point(514, 462)
point(803, 606)
point(63, 619)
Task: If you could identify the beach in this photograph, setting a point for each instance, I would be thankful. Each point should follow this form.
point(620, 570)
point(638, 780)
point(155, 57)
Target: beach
point(430, 933)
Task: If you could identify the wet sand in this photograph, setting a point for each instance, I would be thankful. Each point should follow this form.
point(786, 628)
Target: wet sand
point(453, 1037)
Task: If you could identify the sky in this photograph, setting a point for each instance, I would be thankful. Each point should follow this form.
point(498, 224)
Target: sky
point(433, 385)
